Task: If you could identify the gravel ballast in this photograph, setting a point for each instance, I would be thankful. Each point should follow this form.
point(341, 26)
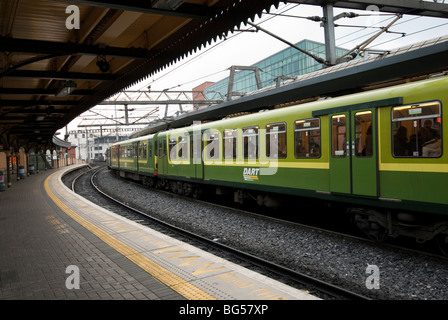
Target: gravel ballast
point(347, 262)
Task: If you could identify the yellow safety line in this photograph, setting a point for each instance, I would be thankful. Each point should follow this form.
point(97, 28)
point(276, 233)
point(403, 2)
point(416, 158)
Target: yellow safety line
point(173, 281)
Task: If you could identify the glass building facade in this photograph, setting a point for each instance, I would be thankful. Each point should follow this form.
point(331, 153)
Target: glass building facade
point(288, 62)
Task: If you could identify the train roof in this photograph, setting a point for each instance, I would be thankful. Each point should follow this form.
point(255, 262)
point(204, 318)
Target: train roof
point(387, 96)
point(403, 64)
point(380, 97)
point(130, 141)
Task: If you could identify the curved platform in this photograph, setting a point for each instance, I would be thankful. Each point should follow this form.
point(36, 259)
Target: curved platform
point(50, 235)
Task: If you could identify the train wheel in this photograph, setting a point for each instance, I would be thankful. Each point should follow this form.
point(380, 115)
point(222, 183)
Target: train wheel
point(187, 189)
point(442, 243)
point(377, 233)
point(196, 193)
point(371, 229)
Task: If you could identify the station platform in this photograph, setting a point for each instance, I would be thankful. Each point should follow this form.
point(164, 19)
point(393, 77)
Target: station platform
point(54, 244)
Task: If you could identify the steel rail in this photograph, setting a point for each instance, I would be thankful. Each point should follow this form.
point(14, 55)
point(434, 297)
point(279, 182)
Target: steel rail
point(301, 278)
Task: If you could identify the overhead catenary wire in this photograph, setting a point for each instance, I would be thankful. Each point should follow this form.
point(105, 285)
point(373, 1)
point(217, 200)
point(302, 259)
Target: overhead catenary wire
point(318, 52)
point(282, 13)
point(287, 7)
point(318, 59)
point(365, 43)
point(346, 38)
point(207, 51)
point(194, 80)
point(414, 33)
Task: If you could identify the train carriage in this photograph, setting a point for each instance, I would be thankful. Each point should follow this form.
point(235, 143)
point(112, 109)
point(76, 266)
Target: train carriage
point(380, 152)
point(134, 158)
point(145, 154)
point(260, 152)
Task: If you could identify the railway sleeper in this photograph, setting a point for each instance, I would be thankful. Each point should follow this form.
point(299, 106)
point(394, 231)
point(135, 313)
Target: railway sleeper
point(377, 225)
point(381, 225)
point(176, 187)
point(268, 200)
point(187, 189)
point(147, 181)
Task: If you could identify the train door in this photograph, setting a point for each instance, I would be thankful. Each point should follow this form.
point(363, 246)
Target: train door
point(134, 154)
point(196, 153)
point(161, 161)
point(353, 157)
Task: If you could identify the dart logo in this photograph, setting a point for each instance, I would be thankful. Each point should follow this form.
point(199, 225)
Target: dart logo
point(251, 174)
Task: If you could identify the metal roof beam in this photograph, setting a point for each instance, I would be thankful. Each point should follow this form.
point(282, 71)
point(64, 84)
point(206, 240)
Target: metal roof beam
point(60, 75)
point(68, 48)
point(45, 92)
point(14, 121)
point(186, 10)
point(39, 111)
point(151, 102)
point(24, 128)
point(30, 103)
point(33, 129)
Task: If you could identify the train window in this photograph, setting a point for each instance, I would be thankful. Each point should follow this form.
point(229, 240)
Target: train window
point(150, 149)
point(115, 152)
point(338, 138)
point(276, 140)
point(142, 150)
point(195, 147)
point(230, 143)
point(212, 145)
point(363, 134)
point(192, 151)
point(250, 142)
point(125, 151)
point(417, 130)
point(172, 148)
point(183, 147)
point(307, 138)
point(162, 146)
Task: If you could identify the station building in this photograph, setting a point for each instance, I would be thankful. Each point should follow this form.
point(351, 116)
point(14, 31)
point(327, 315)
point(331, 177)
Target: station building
point(280, 66)
point(90, 147)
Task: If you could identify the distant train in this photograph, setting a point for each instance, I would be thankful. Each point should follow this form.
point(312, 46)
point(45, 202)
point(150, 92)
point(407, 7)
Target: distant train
point(380, 154)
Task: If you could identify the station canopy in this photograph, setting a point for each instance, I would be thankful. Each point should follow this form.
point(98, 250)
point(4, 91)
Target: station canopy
point(60, 58)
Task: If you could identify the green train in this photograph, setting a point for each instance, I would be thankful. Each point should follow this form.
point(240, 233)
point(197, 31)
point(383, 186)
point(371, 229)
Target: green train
point(380, 154)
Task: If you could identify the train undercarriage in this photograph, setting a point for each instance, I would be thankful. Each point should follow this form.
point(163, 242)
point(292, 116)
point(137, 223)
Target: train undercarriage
point(380, 225)
point(377, 224)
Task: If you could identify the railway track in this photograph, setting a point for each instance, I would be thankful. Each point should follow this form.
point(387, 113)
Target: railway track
point(332, 256)
point(332, 226)
point(314, 285)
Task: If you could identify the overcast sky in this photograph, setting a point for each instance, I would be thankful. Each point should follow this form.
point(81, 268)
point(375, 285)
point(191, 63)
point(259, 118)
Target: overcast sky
point(247, 48)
